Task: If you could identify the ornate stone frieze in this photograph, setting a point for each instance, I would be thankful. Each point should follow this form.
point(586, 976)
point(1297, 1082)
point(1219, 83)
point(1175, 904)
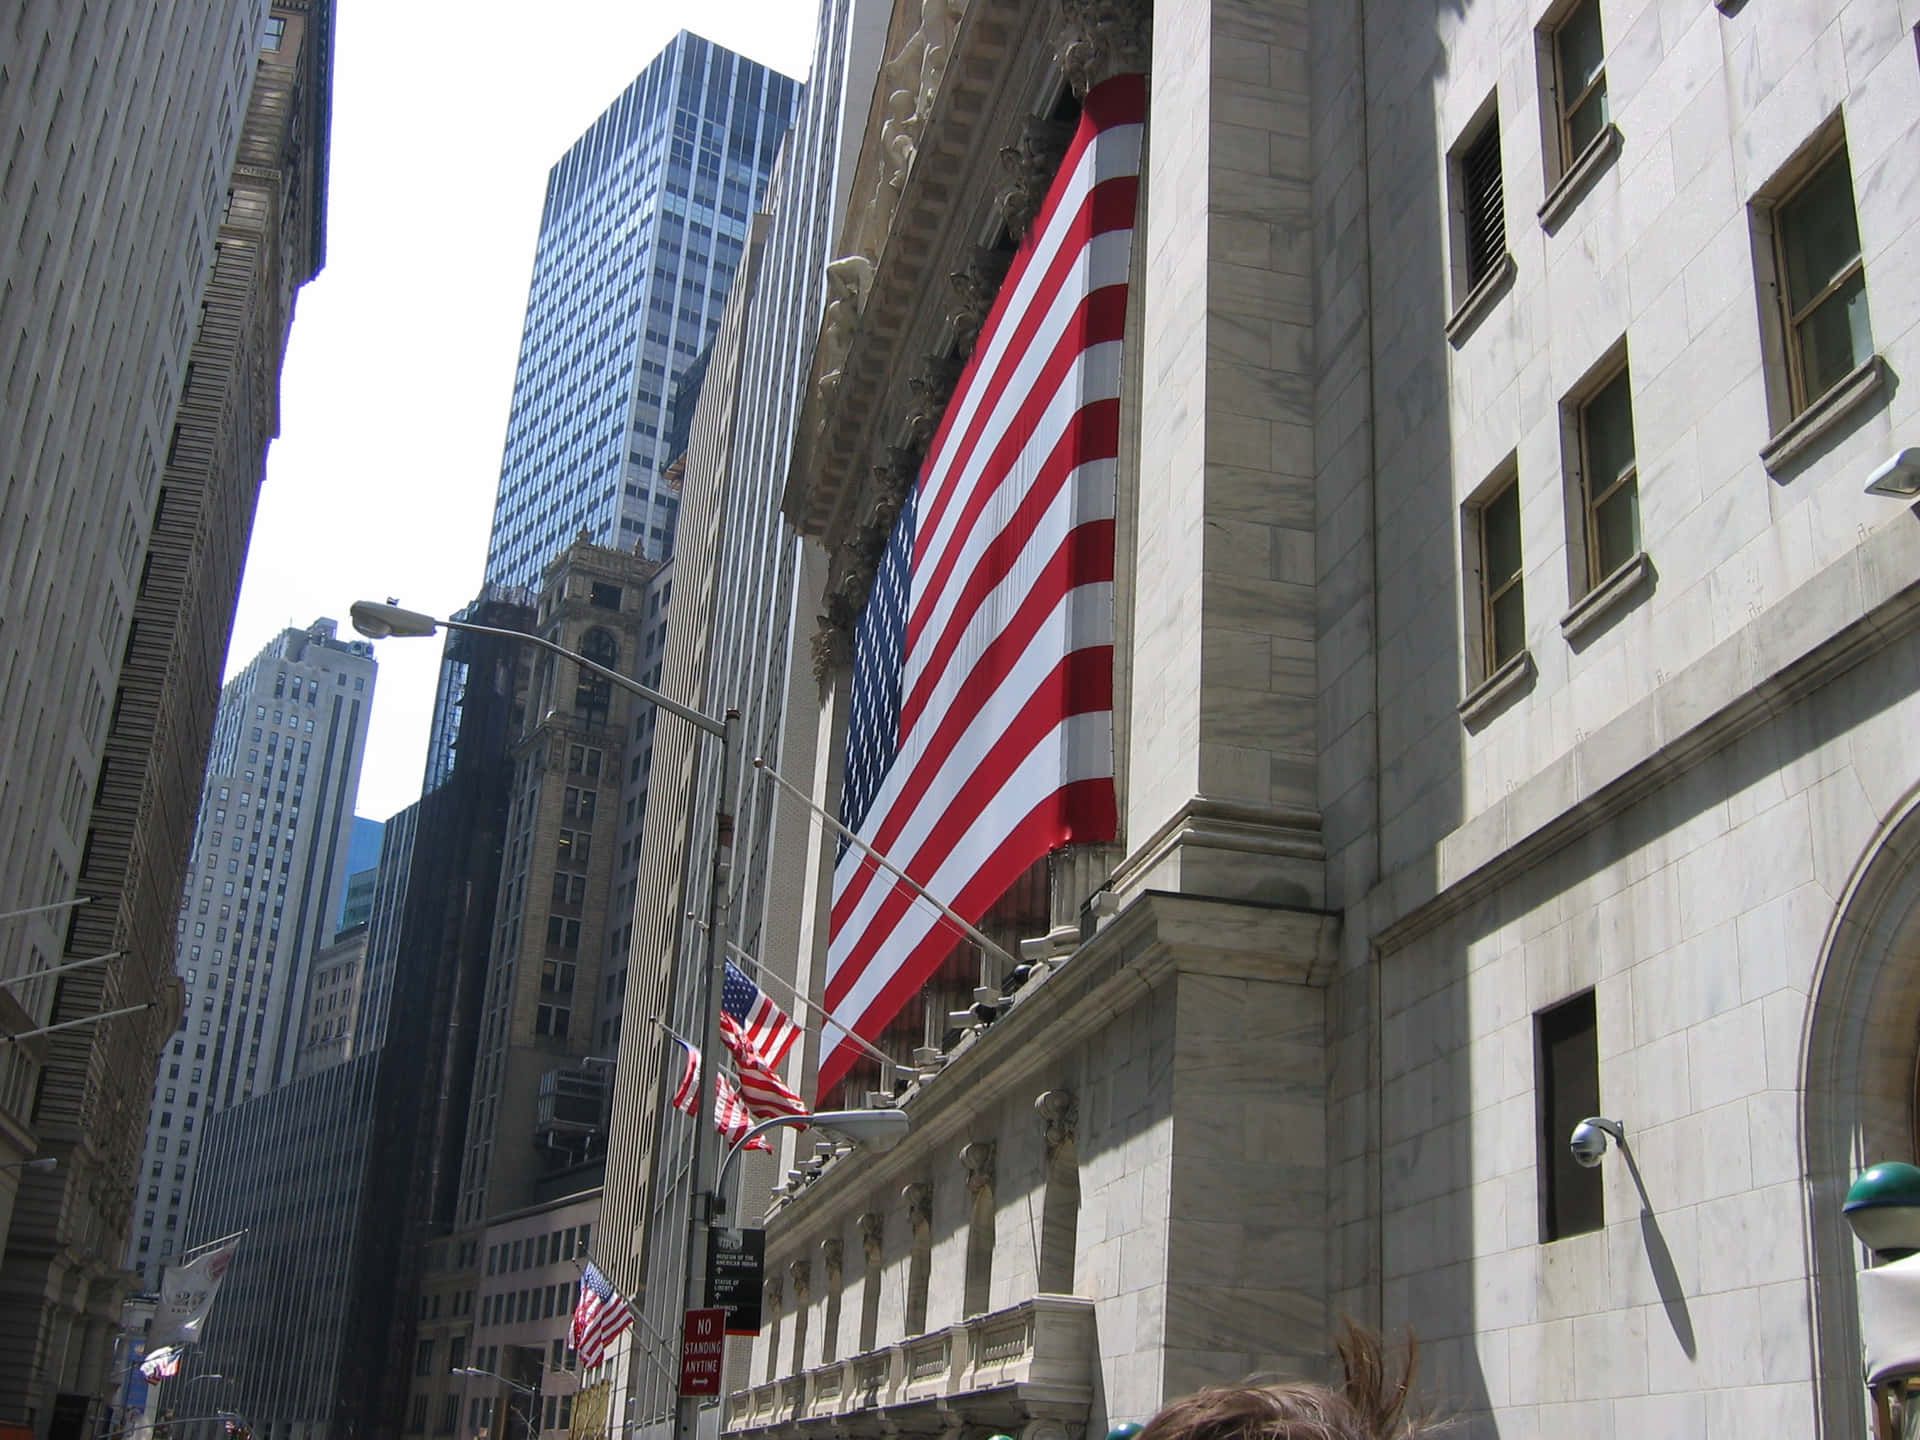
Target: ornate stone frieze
point(1098, 39)
point(848, 280)
point(1030, 164)
point(1059, 1115)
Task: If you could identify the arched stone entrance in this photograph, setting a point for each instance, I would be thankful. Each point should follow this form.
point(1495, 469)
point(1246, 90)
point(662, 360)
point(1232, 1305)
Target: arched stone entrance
point(1859, 1053)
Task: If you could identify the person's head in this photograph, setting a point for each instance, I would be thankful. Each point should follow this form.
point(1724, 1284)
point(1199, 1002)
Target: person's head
point(1374, 1403)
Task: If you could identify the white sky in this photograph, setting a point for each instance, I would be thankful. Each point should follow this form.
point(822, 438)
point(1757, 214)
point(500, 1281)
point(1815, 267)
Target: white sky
point(400, 367)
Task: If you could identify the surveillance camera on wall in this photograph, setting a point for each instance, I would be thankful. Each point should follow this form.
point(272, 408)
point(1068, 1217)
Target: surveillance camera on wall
point(1589, 1140)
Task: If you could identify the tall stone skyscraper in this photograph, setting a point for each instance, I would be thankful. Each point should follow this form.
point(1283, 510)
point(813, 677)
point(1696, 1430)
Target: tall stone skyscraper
point(163, 181)
point(262, 897)
point(644, 225)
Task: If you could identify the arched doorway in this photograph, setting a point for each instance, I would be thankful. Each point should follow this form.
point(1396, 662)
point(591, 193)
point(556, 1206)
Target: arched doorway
point(1858, 1099)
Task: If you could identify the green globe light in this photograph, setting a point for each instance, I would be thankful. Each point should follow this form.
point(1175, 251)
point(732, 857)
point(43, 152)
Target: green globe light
point(1883, 1207)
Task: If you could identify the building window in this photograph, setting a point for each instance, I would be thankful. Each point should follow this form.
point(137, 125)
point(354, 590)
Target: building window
point(603, 596)
point(1821, 282)
point(1602, 480)
point(276, 34)
point(1568, 1061)
point(1610, 478)
point(417, 1416)
point(1480, 215)
point(552, 1020)
point(1579, 80)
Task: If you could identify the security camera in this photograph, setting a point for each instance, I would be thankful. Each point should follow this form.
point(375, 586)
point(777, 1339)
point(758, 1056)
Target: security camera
point(1589, 1140)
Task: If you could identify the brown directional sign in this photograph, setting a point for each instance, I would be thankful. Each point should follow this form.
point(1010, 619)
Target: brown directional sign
point(736, 1265)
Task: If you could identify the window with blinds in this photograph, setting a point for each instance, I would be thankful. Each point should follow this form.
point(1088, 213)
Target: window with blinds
point(1482, 203)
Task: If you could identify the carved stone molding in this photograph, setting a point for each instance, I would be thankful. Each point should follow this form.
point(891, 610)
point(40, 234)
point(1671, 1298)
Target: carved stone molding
point(834, 1252)
point(974, 288)
point(873, 1235)
point(1098, 39)
point(802, 1273)
point(776, 1292)
point(919, 1200)
point(1059, 1114)
point(978, 1158)
point(1030, 163)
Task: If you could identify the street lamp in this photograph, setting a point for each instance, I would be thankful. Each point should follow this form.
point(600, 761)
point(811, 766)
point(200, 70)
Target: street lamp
point(378, 621)
point(532, 1392)
point(39, 1162)
point(1883, 1210)
point(876, 1129)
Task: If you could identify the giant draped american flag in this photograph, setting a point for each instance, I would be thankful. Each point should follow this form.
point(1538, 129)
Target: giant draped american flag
point(980, 728)
point(599, 1315)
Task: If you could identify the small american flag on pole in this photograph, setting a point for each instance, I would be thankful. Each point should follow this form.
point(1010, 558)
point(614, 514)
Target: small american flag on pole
point(752, 1023)
point(980, 719)
point(599, 1315)
point(730, 1115)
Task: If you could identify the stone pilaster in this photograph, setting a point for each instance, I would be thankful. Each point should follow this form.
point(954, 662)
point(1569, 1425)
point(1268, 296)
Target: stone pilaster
point(1221, 793)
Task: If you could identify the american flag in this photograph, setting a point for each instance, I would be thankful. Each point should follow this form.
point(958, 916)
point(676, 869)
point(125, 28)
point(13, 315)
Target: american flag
point(600, 1314)
point(730, 1116)
point(753, 1024)
point(764, 1093)
point(980, 728)
point(162, 1364)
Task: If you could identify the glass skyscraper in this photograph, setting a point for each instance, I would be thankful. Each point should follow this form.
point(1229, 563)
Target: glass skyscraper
point(644, 225)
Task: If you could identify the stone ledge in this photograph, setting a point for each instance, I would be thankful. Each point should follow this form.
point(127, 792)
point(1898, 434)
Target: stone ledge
point(1799, 435)
point(1844, 615)
point(1155, 936)
point(1605, 600)
point(1480, 299)
point(1586, 167)
point(1497, 691)
point(1005, 1370)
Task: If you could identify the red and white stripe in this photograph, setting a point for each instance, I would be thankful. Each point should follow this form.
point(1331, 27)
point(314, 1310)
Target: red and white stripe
point(1006, 718)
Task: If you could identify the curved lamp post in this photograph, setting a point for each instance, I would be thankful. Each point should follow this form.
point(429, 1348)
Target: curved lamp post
point(1883, 1209)
point(876, 1129)
point(532, 1392)
point(379, 621)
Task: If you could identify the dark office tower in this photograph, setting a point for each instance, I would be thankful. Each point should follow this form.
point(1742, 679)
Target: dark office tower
point(343, 1219)
point(644, 225)
point(163, 184)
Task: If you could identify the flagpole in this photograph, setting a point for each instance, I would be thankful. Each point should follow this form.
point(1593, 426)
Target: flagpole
point(953, 916)
point(209, 1245)
point(873, 1051)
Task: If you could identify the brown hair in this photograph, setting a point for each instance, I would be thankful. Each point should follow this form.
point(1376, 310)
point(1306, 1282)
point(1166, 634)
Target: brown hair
point(1374, 1403)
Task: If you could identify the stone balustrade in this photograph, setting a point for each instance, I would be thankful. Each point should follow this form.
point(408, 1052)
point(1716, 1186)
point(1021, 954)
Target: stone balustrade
point(1027, 1371)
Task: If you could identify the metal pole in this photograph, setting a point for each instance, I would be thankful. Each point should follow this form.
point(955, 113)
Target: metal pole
point(83, 1020)
point(687, 1408)
point(645, 692)
point(42, 909)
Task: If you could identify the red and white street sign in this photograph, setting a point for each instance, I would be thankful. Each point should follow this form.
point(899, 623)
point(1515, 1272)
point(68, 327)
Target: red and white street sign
point(703, 1344)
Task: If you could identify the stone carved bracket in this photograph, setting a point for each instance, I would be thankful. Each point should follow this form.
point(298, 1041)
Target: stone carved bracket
point(873, 1234)
point(919, 1201)
point(776, 1292)
point(1099, 39)
point(974, 290)
point(802, 1273)
point(1059, 1115)
point(1031, 163)
point(834, 1252)
point(978, 1159)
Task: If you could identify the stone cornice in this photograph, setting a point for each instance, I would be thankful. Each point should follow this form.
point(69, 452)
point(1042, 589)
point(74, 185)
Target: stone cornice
point(1156, 937)
point(963, 78)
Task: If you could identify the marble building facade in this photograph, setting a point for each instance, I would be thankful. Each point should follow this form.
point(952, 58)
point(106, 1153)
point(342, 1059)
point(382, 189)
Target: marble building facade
point(1428, 312)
